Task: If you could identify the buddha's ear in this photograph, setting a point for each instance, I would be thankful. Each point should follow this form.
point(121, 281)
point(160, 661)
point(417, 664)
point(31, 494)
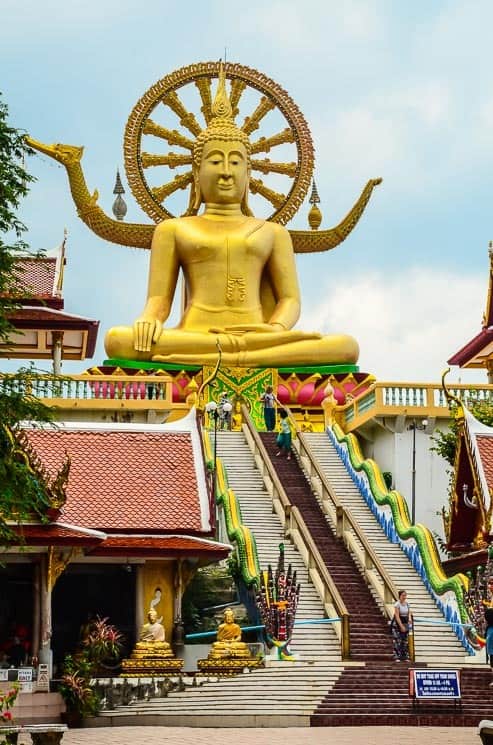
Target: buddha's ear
point(244, 202)
point(195, 194)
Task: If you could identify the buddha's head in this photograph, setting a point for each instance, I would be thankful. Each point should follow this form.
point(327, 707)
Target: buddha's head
point(221, 158)
point(229, 616)
point(152, 616)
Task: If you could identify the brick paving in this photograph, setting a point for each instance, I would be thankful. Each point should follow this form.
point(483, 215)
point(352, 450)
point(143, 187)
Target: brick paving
point(270, 736)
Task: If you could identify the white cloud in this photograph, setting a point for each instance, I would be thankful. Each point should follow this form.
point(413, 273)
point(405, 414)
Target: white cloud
point(407, 326)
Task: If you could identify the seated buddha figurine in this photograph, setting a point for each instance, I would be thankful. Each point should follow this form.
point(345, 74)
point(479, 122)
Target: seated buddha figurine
point(152, 639)
point(229, 642)
point(241, 287)
point(152, 655)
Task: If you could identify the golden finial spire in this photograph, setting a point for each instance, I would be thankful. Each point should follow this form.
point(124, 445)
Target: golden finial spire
point(221, 108)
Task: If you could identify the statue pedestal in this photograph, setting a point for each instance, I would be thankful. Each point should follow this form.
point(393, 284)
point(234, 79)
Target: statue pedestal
point(229, 661)
point(150, 659)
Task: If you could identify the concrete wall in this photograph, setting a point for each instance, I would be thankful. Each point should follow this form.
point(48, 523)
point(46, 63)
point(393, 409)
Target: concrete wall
point(393, 452)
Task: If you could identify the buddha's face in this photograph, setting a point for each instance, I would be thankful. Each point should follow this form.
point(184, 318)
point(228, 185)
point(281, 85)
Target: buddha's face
point(152, 616)
point(223, 172)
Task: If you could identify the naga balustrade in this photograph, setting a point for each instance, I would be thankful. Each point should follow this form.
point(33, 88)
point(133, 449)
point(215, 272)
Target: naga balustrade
point(295, 529)
point(135, 392)
point(409, 399)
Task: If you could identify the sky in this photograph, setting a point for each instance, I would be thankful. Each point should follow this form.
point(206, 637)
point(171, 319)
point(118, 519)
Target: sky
point(402, 91)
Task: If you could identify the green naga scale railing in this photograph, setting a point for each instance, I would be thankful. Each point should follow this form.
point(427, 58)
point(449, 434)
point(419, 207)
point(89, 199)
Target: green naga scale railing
point(238, 533)
point(416, 541)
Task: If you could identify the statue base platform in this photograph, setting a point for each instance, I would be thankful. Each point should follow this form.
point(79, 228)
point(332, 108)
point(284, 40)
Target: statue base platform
point(150, 667)
point(226, 666)
point(147, 660)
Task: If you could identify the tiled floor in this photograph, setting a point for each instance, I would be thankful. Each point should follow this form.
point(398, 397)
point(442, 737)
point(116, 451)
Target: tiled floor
point(288, 736)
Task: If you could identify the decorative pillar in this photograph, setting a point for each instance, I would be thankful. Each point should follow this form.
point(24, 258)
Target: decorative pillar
point(57, 337)
point(45, 651)
point(139, 599)
point(178, 630)
point(35, 641)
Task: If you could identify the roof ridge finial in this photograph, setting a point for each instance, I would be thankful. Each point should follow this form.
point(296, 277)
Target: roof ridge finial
point(221, 107)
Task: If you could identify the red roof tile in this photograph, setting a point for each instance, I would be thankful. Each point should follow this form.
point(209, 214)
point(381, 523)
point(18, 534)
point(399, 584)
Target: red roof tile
point(36, 276)
point(161, 545)
point(125, 480)
point(43, 535)
point(485, 446)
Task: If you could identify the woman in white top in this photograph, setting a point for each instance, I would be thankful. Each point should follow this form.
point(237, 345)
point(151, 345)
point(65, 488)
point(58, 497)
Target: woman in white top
point(400, 624)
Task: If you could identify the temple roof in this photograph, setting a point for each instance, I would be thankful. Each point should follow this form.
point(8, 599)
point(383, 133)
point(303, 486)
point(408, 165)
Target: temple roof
point(473, 485)
point(477, 351)
point(39, 280)
point(39, 318)
point(129, 478)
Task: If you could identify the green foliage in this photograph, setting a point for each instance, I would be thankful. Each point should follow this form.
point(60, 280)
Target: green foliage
point(14, 181)
point(209, 587)
point(445, 443)
point(21, 493)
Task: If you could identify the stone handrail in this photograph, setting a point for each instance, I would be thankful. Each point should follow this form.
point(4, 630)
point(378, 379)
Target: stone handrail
point(347, 528)
point(87, 391)
point(296, 530)
point(413, 399)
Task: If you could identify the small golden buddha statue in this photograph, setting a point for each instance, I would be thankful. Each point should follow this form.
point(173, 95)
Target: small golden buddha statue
point(239, 271)
point(228, 643)
point(152, 655)
point(237, 417)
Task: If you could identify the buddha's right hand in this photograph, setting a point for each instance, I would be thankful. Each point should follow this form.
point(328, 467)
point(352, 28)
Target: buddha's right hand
point(146, 332)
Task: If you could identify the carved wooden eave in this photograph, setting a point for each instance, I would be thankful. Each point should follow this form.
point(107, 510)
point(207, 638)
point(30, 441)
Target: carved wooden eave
point(55, 486)
point(471, 503)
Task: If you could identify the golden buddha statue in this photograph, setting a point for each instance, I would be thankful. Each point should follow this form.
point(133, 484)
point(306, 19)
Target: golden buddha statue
point(152, 655)
point(239, 271)
point(228, 641)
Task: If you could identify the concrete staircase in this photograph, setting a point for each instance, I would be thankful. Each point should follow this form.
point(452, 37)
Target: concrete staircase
point(434, 644)
point(283, 694)
point(370, 638)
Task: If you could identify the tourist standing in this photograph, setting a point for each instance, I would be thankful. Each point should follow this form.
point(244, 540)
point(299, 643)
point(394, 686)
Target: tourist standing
point(400, 626)
point(269, 401)
point(284, 437)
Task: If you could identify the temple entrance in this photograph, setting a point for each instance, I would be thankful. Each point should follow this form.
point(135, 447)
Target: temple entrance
point(16, 612)
point(85, 590)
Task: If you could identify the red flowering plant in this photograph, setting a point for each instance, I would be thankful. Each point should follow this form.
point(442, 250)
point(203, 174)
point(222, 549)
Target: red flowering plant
point(102, 642)
point(7, 700)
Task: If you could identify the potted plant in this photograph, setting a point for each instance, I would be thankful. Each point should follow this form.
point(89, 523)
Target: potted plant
point(100, 647)
point(80, 699)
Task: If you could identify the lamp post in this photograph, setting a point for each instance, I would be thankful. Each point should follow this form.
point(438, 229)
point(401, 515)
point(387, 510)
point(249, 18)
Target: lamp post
point(412, 428)
point(212, 412)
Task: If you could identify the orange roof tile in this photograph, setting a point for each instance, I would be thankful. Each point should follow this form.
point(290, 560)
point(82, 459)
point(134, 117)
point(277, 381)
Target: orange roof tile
point(161, 545)
point(36, 276)
point(125, 480)
point(485, 446)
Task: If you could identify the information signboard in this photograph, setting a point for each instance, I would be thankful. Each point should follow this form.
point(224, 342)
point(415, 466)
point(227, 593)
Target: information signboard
point(425, 684)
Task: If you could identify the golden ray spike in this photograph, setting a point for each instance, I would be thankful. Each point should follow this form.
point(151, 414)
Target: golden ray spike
point(267, 166)
point(204, 87)
point(258, 187)
point(252, 122)
point(170, 135)
point(187, 119)
point(264, 144)
point(179, 182)
point(237, 88)
point(172, 160)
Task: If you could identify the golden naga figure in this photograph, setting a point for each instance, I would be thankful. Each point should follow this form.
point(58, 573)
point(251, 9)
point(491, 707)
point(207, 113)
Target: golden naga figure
point(241, 287)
